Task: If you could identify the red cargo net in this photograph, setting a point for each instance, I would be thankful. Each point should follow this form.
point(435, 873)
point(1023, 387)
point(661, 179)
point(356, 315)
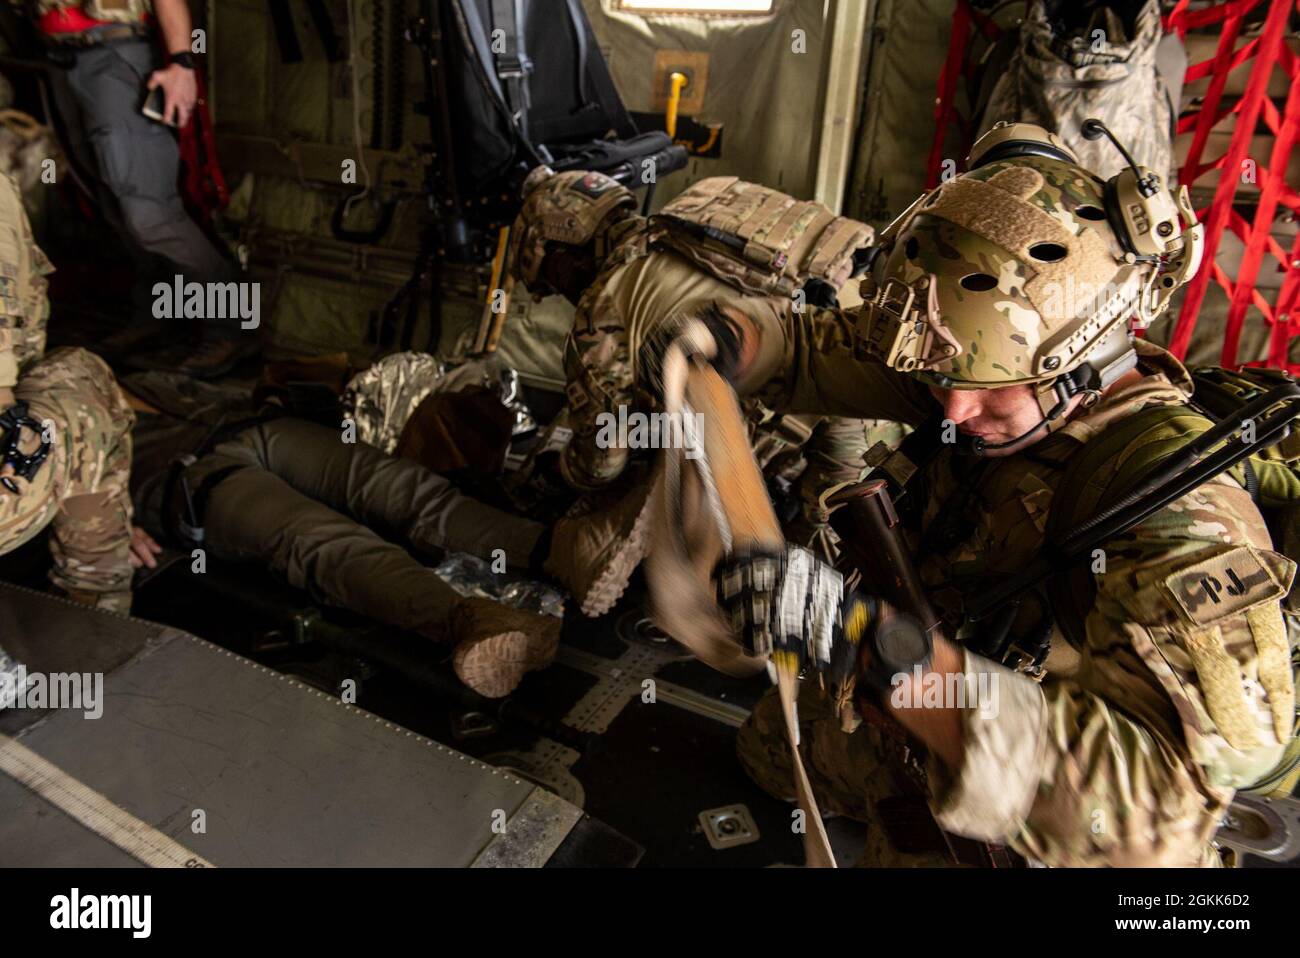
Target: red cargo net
point(1269, 52)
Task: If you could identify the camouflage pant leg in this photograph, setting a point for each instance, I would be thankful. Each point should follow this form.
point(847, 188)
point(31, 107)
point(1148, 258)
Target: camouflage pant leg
point(850, 773)
point(85, 483)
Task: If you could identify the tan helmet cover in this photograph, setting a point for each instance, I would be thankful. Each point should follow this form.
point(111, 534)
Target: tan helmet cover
point(1007, 274)
point(568, 208)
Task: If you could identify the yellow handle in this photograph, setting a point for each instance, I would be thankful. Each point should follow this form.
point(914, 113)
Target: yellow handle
point(674, 98)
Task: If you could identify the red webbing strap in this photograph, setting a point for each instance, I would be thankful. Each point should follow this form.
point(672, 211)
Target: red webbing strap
point(1286, 305)
point(202, 184)
point(1173, 20)
point(945, 107)
point(1266, 54)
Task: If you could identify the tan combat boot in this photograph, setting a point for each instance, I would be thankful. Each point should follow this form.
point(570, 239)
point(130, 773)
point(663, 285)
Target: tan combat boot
point(594, 556)
point(496, 645)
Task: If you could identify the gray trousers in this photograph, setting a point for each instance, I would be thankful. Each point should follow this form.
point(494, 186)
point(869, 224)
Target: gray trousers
point(135, 162)
point(327, 516)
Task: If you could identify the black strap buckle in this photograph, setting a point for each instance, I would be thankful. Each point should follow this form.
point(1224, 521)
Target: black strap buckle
point(25, 465)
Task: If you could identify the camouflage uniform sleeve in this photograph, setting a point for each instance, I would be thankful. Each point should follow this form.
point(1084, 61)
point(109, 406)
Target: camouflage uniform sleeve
point(12, 255)
point(807, 363)
point(1184, 694)
point(24, 307)
point(598, 380)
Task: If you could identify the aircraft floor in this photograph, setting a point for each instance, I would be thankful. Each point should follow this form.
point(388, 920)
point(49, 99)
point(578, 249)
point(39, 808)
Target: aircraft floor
point(645, 768)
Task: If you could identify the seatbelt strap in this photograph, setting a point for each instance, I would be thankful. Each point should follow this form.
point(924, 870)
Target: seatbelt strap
point(580, 40)
point(324, 23)
point(513, 65)
point(286, 34)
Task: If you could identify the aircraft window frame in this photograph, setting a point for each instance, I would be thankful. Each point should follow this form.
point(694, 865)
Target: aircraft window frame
point(695, 8)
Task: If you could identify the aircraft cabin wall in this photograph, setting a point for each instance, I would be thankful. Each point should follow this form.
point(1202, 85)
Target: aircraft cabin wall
point(288, 119)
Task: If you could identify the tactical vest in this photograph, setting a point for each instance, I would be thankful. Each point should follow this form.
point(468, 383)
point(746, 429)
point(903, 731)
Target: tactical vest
point(757, 239)
point(1102, 470)
point(115, 11)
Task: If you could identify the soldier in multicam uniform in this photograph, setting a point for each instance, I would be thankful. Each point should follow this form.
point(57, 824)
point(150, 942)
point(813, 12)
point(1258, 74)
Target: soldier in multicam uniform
point(1006, 294)
point(634, 280)
point(70, 400)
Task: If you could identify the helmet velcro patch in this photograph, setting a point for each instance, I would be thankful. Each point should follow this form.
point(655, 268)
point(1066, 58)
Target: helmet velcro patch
point(1002, 218)
point(1011, 222)
point(1021, 182)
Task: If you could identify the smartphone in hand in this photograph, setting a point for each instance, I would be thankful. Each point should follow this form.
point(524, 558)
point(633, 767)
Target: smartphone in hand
point(155, 103)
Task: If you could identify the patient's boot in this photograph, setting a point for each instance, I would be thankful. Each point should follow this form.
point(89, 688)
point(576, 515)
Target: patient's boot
point(594, 556)
point(496, 645)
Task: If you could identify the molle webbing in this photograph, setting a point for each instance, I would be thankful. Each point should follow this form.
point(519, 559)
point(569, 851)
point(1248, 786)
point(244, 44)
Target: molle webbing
point(757, 239)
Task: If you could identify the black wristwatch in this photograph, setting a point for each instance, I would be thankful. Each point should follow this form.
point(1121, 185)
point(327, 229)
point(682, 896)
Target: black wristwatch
point(184, 59)
point(898, 645)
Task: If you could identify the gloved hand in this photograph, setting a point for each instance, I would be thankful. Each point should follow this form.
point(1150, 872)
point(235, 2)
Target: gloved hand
point(786, 601)
point(712, 335)
point(728, 338)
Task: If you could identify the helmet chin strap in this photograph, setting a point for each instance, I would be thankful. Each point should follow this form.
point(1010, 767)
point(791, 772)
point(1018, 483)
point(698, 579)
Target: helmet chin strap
point(1064, 387)
point(1106, 364)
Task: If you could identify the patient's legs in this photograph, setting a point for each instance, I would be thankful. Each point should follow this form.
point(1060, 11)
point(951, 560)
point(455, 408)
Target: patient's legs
point(393, 496)
point(309, 505)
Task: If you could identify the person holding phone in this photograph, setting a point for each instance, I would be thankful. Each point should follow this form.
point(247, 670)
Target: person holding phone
point(129, 79)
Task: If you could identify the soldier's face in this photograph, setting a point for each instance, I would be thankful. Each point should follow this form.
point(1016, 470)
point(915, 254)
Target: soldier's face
point(995, 415)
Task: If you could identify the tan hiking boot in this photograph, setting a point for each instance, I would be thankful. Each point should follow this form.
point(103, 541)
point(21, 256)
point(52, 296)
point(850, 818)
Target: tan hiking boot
point(594, 556)
point(496, 645)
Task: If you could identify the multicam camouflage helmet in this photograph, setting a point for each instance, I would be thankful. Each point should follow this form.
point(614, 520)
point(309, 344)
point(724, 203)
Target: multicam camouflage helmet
point(572, 208)
point(1012, 274)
